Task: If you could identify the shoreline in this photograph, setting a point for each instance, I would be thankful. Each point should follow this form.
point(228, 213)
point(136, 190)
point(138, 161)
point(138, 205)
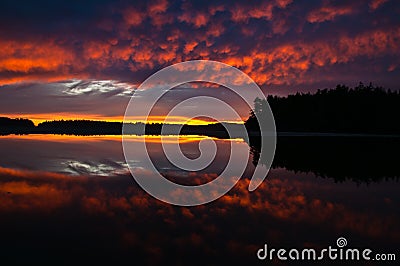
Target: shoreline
point(218, 134)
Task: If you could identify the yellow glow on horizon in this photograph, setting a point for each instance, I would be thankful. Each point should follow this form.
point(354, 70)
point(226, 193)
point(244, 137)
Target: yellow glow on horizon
point(164, 120)
point(166, 139)
point(39, 118)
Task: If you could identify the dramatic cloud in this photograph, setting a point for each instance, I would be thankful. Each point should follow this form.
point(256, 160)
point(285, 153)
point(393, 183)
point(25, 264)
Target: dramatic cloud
point(327, 13)
point(283, 45)
point(374, 4)
point(276, 42)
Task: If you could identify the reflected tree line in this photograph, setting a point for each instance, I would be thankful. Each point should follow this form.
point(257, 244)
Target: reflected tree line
point(360, 159)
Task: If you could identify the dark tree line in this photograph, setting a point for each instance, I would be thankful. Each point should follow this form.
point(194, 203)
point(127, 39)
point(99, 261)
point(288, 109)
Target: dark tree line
point(79, 127)
point(90, 127)
point(362, 109)
point(18, 125)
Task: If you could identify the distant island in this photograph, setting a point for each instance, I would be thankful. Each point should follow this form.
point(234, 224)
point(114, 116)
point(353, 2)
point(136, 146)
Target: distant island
point(362, 109)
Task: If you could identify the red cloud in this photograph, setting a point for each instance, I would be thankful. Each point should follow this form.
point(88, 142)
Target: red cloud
point(327, 13)
point(194, 17)
point(375, 4)
point(159, 6)
point(242, 13)
point(129, 50)
point(133, 17)
point(285, 63)
point(282, 64)
point(44, 55)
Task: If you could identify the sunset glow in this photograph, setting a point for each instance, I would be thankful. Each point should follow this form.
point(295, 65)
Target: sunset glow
point(90, 72)
point(39, 118)
point(193, 132)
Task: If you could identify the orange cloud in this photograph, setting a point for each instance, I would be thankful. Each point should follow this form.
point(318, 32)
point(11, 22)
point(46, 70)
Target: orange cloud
point(287, 63)
point(327, 13)
point(194, 17)
point(264, 10)
point(130, 50)
point(158, 6)
point(375, 4)
point(243, 14)
point(189, 47)
point(133, 17)
point(27, 56)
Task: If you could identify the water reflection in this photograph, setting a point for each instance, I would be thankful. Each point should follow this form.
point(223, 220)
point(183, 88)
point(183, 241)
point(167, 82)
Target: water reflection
point(360, 159)
point(71, 199)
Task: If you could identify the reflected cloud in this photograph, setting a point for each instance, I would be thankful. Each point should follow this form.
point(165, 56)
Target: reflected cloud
point(97, 198)
point(286, 200)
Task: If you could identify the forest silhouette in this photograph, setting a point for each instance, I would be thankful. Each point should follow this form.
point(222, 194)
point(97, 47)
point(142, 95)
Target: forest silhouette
point(362, 109)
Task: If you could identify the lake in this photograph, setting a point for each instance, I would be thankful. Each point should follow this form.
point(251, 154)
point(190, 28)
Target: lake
point(71, 199)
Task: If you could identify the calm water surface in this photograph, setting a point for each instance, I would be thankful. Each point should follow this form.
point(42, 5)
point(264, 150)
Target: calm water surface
point(72, 200)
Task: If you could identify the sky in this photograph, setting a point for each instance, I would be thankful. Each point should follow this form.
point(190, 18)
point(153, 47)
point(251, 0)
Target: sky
point(83, 59)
